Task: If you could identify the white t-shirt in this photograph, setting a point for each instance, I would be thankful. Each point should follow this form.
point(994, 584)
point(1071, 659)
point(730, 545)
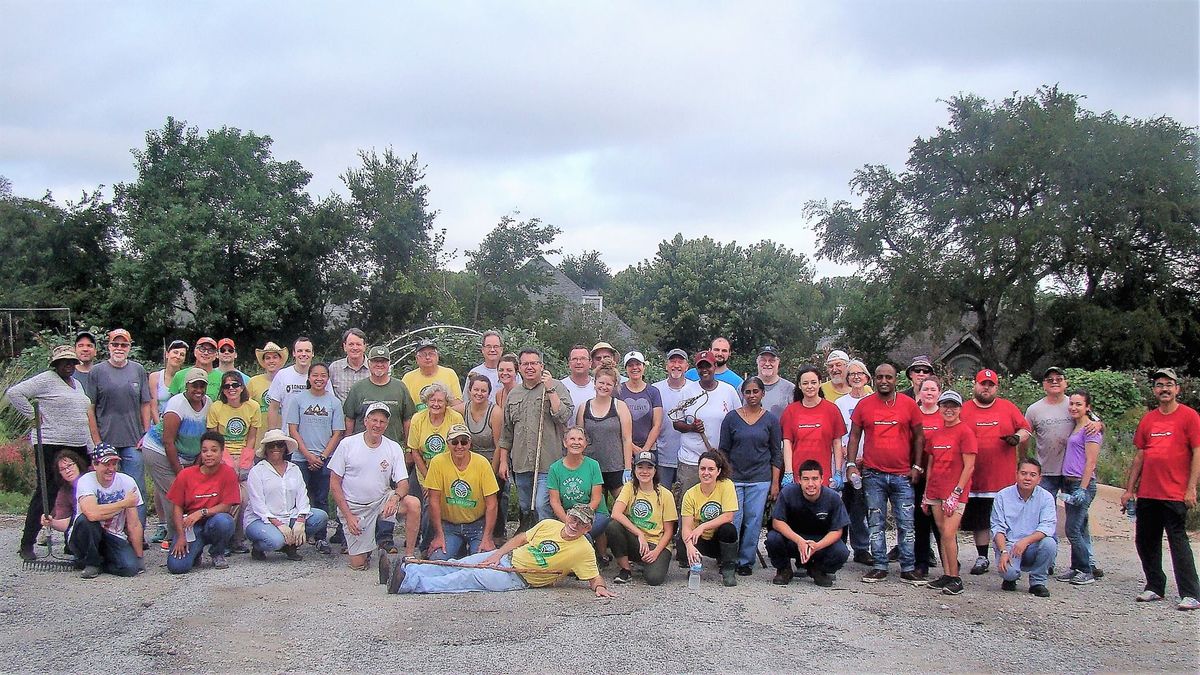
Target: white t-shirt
point(367, 472)
point(711, 410)
point(669, 439)
point(846, 404)
point(121, 486)
point(492, 374)
point(287, 381)
point(579, 394)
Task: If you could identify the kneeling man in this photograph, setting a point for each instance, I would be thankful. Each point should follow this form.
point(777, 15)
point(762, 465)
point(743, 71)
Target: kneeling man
point(806, 525)
point(461, 494)
point(107, 533)
point(1024, 519)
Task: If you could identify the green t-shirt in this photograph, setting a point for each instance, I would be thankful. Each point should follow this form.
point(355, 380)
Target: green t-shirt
point(575, 485)
point(394, 394)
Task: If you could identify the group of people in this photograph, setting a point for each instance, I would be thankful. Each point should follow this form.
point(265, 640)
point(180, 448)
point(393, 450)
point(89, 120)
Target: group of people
point(605, 467)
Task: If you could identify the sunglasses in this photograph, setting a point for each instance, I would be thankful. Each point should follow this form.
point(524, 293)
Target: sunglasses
point(460, 441)
point(922, 371)
point(206, 348)
point(232, 385)
point(228, 350)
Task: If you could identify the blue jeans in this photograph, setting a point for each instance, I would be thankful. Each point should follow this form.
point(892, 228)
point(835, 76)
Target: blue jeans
point(1038, 558)
point(134, 466)
point(1054, 484)
point(213, 532)
point(782, 551)
point(462, 539)
point(524, 483)
point(317, 483)
point(752, 499)
point(437, 579)
point(880, 488)
point(666, 476)
point(1076, 526)
point(858, 534)
point(265, 537)
point(96, 547)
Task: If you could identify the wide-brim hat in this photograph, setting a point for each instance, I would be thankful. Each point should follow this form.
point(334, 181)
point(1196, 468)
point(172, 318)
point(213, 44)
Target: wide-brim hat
point(274, 436)
point(270, 348)
point(63, 353)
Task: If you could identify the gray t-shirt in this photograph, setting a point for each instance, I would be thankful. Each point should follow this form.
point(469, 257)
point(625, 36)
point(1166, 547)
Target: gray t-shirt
point(1052, 426)
point(778, 396)
point(118, 394)
point(315, 417)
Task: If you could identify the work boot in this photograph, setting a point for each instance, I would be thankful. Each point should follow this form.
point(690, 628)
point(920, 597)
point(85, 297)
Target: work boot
point(729, 553)
point(385, 568)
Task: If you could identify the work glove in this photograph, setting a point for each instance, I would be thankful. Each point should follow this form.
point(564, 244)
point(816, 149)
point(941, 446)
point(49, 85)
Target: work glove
point(787, 479)
point(950, 504)
point(286, 531)
point(837, 480)
point(298, 534)
point(627, 475)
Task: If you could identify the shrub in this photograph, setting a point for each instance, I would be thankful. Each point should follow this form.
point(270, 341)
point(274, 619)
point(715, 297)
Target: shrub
point(18, 472)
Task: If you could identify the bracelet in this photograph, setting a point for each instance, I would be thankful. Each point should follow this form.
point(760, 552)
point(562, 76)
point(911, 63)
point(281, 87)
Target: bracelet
point(918, 468)
point(851, 465)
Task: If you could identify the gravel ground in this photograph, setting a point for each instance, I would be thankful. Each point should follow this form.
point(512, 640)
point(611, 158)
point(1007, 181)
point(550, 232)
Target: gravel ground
point(319, 615)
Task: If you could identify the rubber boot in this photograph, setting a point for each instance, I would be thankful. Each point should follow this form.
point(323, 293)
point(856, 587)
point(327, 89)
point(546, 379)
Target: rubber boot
point(729, 554)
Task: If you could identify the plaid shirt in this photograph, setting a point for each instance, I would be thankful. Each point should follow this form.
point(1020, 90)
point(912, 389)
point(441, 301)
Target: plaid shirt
point(342, 377)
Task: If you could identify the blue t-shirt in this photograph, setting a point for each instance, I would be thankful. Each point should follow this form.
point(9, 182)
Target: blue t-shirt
point(729, 377)
point(811, 520)
point(316, 418)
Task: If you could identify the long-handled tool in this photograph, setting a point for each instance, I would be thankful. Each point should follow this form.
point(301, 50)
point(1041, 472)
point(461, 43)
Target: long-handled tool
point(478, 566)
point(50, 562)
point(537, 452)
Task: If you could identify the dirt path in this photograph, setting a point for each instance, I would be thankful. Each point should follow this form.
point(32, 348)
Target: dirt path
point(318, 615)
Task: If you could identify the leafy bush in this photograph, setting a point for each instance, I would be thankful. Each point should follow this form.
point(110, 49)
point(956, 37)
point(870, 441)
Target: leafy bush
point(18, 473)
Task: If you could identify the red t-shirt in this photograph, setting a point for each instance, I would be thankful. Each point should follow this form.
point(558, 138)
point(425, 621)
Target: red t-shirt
point(931, 422)
point(192, 490)
point(1167, 441)
point(811, 431)
point(887, 430)
point(945, 448)
point(996, 462)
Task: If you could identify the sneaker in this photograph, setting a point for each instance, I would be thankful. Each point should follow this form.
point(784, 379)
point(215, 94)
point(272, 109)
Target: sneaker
point(981, 566)
point(604, 561)
point(1148, 596)
point(745, 570)
point(874, 576)
point(1067, 576)
point(256, 554)
point(623, 577)
point(913, 577)
point(783, 577)
point(1097, 573)
point(160, 534)
point(165, 545)
point(1007, 585)
point(385, 567)
point(1083, 579)
point(820, 578)
point(323, 547)
point(953, 587)
point(337, 538)
point(1040, 591)
point(91, 572)
point(939, 583)
point(395, 576)
point(43, 539)
point(219, 562)
point(863, 558)
point(1188, 604)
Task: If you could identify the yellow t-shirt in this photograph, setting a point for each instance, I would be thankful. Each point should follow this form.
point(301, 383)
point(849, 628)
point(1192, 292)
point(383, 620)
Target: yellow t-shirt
point(703, 508)
point(427, 439)
point(257, 388)
point(462, 492)
point(234, 424)
point(830, 394)
point(415, 382)
point(547, 550)
point(648, 511)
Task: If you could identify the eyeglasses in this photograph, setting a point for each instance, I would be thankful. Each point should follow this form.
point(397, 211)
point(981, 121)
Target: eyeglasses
point(530, 363)
point(460, 441)
point(1164, 385)
point(228, 350)
point(922, 371)
point(856, 375)
point(232, 385)
point(206, 349)
point(118, 345)
point(1054, 380)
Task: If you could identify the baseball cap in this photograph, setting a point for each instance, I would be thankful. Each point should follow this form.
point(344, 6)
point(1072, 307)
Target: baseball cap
point(378, 405)
point(676, 352)
point(950, 396)
point(1164, 372)
point(103, 452)
point(425, 344)
point(837, 354)
point(633, 356)
point(1054, 369)
point(458, 431)
point(705, 355)
point(583, 512)
point(195, 375)
point(603, 345)
point(378, 352)
point(63, 352)
point(85, 334)
point(644, 457)
point(921, 360)
point(768, 349)
point(225, 342)
point(987, 375)
point(207, 341)
point(119, 332)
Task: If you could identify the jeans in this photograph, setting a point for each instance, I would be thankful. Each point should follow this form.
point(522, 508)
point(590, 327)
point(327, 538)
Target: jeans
point(524, 483)
point(1076, 526)
point(782, 551)
point(666, 476)
point(858, 534)
point(317, 483)
point(266, 537)
point(1054, 484)
point(214, 532)
point(438, 579)
point(96, 547)
point(1038, 558)
point(1153, 517)
point(752, 499)
point(880, 488)
point(462, 539)
point(33, 515)
point(134, 466)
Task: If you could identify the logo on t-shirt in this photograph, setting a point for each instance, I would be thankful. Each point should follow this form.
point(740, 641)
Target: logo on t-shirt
point(885, 423)
point(709, 511)
point(987, 423)
point(236, 427)
point(1159, 434)
point(638, 407)
point(316, 410)
point(640, 513)
point(384, 466)
point(572, 489)
point(434, 445)
point(460, 494)
point(811, 425)
point(543, 552)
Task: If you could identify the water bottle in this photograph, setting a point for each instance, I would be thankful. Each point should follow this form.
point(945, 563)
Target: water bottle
point(856, 480)
point(694, 577)
point(1131, 509)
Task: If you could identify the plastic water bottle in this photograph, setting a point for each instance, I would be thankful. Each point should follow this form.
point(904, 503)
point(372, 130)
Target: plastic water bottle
point(694, 577)
point(1131, 509)
point(856, 480)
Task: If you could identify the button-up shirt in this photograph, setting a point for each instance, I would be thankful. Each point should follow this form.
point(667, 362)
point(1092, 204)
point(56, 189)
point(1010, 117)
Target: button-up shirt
point(522, 409)
point(273, 496)
point(1018, 518)
point(342, 377)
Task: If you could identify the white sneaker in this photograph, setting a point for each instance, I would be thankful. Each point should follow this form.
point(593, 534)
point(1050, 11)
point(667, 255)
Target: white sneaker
point(1148, 596)
point(1188, 604)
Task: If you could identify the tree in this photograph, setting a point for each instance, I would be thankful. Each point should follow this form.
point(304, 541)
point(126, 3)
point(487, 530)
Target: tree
point(587, 270)
point(509, 265)
point(990, 211)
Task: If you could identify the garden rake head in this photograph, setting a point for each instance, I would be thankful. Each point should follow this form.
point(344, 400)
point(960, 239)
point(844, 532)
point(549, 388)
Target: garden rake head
point(50, 562)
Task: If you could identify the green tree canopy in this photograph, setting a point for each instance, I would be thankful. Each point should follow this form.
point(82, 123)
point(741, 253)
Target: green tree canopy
point(505, 269)
point(588, 270)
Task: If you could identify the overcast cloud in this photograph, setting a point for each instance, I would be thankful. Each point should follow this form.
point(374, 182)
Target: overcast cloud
point(622, 123)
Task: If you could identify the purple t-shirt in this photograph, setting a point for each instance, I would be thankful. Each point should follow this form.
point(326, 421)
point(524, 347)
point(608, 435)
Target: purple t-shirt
point(1075, 459)
point(641, 408)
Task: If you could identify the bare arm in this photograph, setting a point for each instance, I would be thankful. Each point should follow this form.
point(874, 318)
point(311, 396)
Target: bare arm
point(626, 432)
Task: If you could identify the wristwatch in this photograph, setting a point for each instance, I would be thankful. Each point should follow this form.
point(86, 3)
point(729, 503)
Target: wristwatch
point(204, 512)
point(851, 465)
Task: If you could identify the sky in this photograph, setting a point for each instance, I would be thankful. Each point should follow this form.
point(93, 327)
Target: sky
point(623, 123)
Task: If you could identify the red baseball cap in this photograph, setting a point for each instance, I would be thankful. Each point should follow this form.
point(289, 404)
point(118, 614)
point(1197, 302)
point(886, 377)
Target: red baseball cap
point(705, 355)
point(225, 342)
point(207, 341)
point(987, 375)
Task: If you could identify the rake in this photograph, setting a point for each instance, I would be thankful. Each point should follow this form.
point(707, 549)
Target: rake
point(50, 562)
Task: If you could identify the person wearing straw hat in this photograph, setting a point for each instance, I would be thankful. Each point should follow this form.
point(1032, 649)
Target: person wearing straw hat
point(539, 557)
point(279, 515)
point(271, 359)
point(461, 493)
point(65, 424)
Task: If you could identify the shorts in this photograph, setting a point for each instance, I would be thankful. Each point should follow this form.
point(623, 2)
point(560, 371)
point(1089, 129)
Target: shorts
point(978, 515)
point(937, 504)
